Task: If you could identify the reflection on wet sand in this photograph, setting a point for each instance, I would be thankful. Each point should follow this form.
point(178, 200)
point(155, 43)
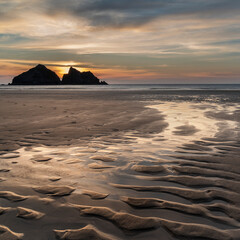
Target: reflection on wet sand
point(178, 181)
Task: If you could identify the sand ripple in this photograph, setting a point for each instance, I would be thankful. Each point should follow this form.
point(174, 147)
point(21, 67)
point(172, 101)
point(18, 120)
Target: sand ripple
point(98, 166)
point(132, 222)
point(148, 169)
point(196, 209)
point(55, 190)
point(11, 196)
point(3, 210)
point(193, 231)
point(123, 220)
point(7, 234)
point(103, 158)
point(28, 213)
point(94, 195)
point(88, 232)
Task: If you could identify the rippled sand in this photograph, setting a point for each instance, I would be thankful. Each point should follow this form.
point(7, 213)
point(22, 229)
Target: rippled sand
point(119, 165)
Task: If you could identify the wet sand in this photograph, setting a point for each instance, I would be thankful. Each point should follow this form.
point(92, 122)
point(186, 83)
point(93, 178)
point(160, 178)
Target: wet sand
point(119, 165)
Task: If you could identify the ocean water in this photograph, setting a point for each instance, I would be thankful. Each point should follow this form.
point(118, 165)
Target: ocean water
point(129, 87)
point(213, 93)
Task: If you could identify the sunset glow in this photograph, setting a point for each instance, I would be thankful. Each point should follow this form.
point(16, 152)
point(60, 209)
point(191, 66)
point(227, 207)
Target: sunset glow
point(197, 42)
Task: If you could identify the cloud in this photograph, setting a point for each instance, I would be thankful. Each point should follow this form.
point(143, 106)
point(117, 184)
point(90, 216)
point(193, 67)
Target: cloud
point(125, 13)
point(184, 35)
point(115, 13)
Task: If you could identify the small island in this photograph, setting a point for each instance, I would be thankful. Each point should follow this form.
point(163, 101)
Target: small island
point(41, 75)
point(76, 77)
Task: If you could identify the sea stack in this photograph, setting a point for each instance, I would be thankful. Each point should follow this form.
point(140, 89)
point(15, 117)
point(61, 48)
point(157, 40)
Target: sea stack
point(76, 77)
point(39, 75)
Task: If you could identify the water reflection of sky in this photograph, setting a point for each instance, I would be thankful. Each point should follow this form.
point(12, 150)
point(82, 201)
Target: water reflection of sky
point(188, 123)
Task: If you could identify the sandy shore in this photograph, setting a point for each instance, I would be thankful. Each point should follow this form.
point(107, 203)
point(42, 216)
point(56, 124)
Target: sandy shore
point(118, 165)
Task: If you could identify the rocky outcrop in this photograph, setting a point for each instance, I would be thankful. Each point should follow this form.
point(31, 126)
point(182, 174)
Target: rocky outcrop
point(39, 75)
point(80, 78)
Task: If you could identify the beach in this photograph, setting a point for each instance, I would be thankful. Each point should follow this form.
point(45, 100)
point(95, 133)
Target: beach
point(119, 164)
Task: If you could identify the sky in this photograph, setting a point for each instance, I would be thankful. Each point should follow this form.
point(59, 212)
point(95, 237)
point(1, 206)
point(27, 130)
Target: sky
point(123, 41)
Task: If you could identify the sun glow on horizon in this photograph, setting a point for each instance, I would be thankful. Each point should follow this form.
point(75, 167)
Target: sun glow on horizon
point(61, 70)
point(132, 41)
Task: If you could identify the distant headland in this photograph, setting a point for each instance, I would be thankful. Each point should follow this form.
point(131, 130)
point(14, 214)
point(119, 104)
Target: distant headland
point(41, 75)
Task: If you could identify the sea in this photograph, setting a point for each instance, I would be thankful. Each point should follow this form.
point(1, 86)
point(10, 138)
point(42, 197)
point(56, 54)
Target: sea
point(129, 87)
point(215, 93)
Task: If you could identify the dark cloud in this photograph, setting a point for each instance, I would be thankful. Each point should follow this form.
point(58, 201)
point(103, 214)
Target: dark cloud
point(108, 5)
point(9, 39)
point(107, 13)
point(122, 13)
point(125, 13)
point(228, 43)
